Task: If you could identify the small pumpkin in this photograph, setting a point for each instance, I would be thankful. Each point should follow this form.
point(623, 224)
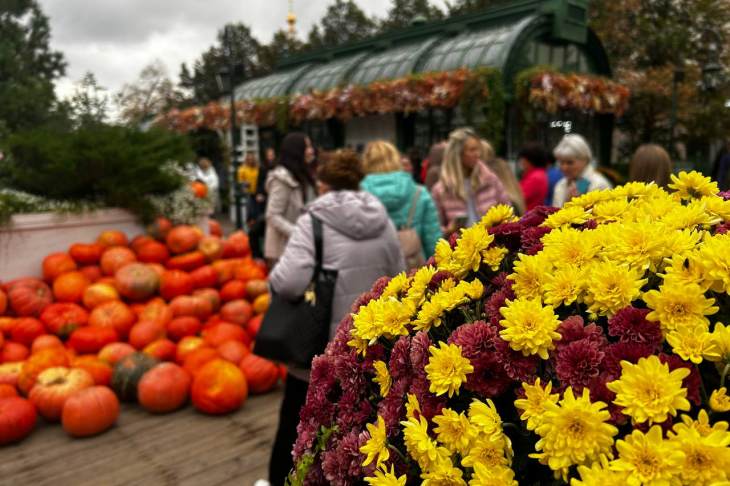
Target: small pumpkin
point(261, 374)
point(216, 334)
point(261, 303)
point(7, 390)
point(91, 272)
point(115, 258)
point(211, 247)
point(14, 352)
point(187, 305)
point(204, 276)
point(183, 238)
point(183, 326)
point(9, 372)
point(110, 238)
point(46, 341)
point(99, 370)
point(145, 332)
point(89, 339)
point(175, 283)
point(137, 281)
point(161, 349)
point(153, 252)
point(199, 189)
point(29, 297)
point(198, 358)
point(233, 351)
point(70, 286)
point(86, 253)
point(98, 293)
point(253, 326)
point(3, 302)
point(139, 241)
point(53, 387)
point(164, 388)
point(127, 373)
point(214, 227)
point(113, 352)
point(219, 387)
point(159, 228)
point(186, 346)
point(233, 290)
point(236, 245)
point(56, 264)
point(254, 288)
point(157, 311)
point(17, 419)
point(33, 366)
point(90, 411)
point(187, 261)
point(237, 311)
point(63, 318)
point(26, 329)
point(113, 314)
point(211, 295)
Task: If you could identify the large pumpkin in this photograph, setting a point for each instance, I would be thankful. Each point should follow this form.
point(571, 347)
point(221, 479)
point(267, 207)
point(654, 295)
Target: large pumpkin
point(86, 254)
point(17, 419)
point(183, 326)
point(153, 252)
point(62, 318)
point(217, 334)
point(237, 311)
point(53, 387)
point(114, 314)
point(236, 245)
point(187, 261)
point(183, 238)
point(115, 258)
point(99, 370)
point(90, 411)
point(233, 290)
point(127, 373)
point(199, 358)
point(145, 332)
point(26, 329)
point(110, 238)
point(29, 297)
point(56, 264)
point(211, 247)
point(33, 366)
point(164, 388)
point(137, 281)
point(219, 387)
point(174, 283)
point(98, 293)
point(89, 339)
point(261, 374)
point(114, 352)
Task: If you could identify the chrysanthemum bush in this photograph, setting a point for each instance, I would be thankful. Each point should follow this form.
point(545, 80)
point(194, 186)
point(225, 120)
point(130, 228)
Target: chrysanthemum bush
point(588, 345)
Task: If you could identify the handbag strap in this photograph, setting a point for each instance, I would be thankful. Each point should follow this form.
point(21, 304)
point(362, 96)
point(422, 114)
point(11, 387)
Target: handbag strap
point(318, 251)
point(412, 211)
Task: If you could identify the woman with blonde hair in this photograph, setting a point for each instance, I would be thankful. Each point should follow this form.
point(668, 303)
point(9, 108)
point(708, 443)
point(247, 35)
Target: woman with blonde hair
point(467, 188)
point(650, 163)
point(502, 169)
point(409, 205)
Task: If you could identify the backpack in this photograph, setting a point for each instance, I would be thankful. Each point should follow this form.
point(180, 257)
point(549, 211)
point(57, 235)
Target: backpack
point(410, 242)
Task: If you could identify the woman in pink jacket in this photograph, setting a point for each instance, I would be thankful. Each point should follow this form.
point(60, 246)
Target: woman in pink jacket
point(467, 188)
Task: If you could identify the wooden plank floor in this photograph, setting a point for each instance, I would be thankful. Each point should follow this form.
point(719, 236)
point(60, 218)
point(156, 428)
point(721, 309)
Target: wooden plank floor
point(182, 448)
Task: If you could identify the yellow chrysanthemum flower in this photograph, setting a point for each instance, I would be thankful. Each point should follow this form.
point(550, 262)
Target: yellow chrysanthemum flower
point(564, 286)
point(420, 446)
point(492, 476)
point(647, 459)
point(412, 406)
point(681, 242)
point(683, 270)
point(648, 391)
point(534, 404)
point(610, 287)
point(599, 475)
point(468, 252)
point(429, 315)
point(568, 216)
point(443, 473)
point(443, 255)
point(637, 190)
point(609, 211)
point(639, 245)
point(396, 285)
point(417, 292)
point(693, 343)
point(706, 458)
point(492, 257)
point(446, 369)
point(721, 339)
point(529, 275)
point(691, 216)
point(453, 430)
point(693, 185)
point(574, 432)
point(376, 448)
point(382, 377)
point(484, 416)
point(678, 304)
point(529, 327)
point(486, 451)
point(386, 478)
point(569, 246)
point(501, 213)
point(717, 207)
point(712, 258)
point(590, 199)
point(720, 401)
point(702, 425)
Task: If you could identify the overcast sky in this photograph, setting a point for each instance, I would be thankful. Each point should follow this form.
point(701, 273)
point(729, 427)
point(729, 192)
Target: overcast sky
point(115, 39)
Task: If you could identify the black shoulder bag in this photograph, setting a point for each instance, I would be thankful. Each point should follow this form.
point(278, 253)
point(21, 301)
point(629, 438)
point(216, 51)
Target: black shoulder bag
point(295, 332)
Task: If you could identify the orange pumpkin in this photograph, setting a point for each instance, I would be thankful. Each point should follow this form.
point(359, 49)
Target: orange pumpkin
point(249, 271)
point(198, 358)
point(153, 252)
point(17, 419)
point(219, 387)
point(62, 318)
point(233, 351)
point(186, 305)
point(90, 411)
point(211, 247)
point(203, 277)
point(211, 295)
point(54, 386)
point(29, 297)
point(199, 189)
point(175, 283)
point(7, 391)
point(186, 346)
point(256, 287)
point(187, 261)
point(26, 329)
point(144, 333)
point(183, 326)
point(233, 290)
point(99, 370)
point(139, 241)
point(214, 228)
point(115, 315)
point(70, 287)
point(56, 264)
point(46, 341)
point(226, 270)
point(14, 352)
point(224, 331)
point(115, 258)
point(86, 254)
point(236, 245)
point(162, 349)
point(137, 281)
point(111, 238)
point(33, 366)
point(157, 311)
point(159, 228)
point(261, 374)
point(237, 311)
point(261, 304)
point(88, 340)
point(98, 293)
point(164, 388)
point(91, 272)
point(9, 372)
point(183, 238)
point(3, 302)
point(113, 352)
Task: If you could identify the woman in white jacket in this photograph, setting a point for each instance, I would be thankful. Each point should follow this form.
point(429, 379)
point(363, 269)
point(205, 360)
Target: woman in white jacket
point(359, 241)
point(574, 158)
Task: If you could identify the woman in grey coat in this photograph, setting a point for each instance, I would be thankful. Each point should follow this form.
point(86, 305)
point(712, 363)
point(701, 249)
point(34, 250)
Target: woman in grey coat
point(360, 242)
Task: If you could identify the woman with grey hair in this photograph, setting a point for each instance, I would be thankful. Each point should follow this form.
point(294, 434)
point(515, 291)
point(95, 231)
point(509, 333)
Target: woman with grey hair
point(574, 159)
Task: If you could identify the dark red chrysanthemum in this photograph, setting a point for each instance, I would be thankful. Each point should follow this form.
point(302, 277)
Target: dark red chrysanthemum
point(477, 339)
point(691, 382)
point(589, 225)
point(626, 351)
point(379, 286)
point(600, 393)
point(536, 216)
point(531, 239)
point(399, 363)
point(630, 325)
point(579, 363)
point(437, 278)
point(573, 329)
point(392, 406)
point(507, 235)
point(488, 378)
point(419, 352)
point(431, 405)
point(517, 366)
point(342, 462)
point(453, 238)
point(495, 302)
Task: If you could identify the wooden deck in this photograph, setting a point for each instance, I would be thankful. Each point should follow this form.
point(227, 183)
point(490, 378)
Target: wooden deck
point(182, 448)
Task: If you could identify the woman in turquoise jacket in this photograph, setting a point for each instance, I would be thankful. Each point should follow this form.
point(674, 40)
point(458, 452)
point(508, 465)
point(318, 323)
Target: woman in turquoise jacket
point(396, 189)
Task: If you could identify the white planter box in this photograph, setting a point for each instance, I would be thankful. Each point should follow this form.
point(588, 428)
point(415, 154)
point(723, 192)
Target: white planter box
point(30, 237)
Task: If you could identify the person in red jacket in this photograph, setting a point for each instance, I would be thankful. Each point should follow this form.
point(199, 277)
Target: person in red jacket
point(533, 159)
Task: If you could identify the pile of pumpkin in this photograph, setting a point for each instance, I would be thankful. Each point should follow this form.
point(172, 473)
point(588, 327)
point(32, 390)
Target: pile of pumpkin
point(162, 319)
